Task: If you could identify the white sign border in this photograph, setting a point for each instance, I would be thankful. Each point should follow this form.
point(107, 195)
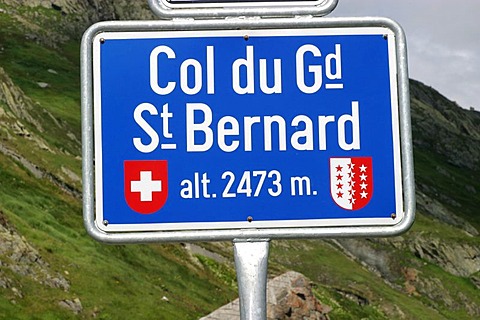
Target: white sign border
point(109, 227)
point(300, 229)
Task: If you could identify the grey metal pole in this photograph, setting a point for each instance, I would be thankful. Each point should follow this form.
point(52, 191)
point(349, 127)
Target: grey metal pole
point(251, 262)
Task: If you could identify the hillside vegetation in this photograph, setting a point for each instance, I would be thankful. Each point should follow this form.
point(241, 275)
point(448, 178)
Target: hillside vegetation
point(51, 269)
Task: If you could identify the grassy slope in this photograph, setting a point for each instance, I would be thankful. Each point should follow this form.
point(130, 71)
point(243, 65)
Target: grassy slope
point(116, 282)
point(453, 181)
point(447, 183)
point(333, 272)
point(119, 282)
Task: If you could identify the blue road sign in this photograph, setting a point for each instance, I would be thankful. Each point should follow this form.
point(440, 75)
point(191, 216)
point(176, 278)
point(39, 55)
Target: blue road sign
point(235, 129)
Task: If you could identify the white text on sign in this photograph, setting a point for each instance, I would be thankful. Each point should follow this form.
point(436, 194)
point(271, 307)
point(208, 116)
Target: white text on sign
point(246, 184)
point(232, 134)
point(268, 132)
point(243, 72)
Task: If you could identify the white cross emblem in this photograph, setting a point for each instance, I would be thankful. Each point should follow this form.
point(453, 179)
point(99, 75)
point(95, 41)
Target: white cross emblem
point(146, 186)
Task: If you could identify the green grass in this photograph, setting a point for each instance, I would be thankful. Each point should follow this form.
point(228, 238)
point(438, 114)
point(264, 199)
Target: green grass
point(428, 227)
point(332, 271)
point(344, 308)
point(452, 181)
point(55, 108)
point(117, 281)
point(226, 274)
point(452, 288)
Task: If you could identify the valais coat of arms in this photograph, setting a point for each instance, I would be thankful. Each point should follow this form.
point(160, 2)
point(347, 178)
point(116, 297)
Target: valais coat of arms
point(351, 182)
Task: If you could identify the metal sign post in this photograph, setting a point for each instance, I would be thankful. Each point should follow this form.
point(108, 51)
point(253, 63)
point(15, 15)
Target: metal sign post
point(246, 130)
point(251, 262)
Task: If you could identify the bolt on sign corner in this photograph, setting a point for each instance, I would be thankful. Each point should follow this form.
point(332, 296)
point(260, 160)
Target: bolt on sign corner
point(246, 129)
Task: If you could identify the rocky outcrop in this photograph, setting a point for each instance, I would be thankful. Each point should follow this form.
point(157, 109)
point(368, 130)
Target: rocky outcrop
point(21, 116)
point(21, 120)
point(68, 19)
point(372, 256)
point(289, 296)
point(19, 256)
point(418, 284)
point(20, 106)
point(381, 256)
point(438, 211)
point(40, 173)
point(96, 9)
point(460, 259)
point(74, 305)
point(442, 126)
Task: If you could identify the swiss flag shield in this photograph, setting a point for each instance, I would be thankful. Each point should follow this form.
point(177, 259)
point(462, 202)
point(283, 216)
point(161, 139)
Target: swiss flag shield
point(351, 181)
point(146, 184)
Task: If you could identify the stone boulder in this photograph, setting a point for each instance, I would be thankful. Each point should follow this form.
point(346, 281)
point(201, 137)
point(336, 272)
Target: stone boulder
point(289, 296)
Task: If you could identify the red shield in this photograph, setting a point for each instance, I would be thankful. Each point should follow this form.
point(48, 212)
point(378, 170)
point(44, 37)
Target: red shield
point(351, 181)
point(146, 184)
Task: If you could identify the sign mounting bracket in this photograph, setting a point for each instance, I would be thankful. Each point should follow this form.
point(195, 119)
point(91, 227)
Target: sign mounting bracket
point(218, 9)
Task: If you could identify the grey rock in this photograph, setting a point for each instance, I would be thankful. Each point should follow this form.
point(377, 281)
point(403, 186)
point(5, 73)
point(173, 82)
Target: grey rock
point(25, 260)
point(74, 305)
point(438, 211)
point(289, 296)
point(476, 280)
point(459, 259)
